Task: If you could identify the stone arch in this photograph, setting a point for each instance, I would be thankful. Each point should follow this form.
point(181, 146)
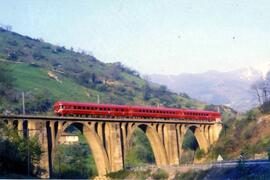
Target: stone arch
point(94, 142)
point(200, 137)
point(155, 141)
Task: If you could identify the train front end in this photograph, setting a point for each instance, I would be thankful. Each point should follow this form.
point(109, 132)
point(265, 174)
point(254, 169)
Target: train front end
point(58, 108)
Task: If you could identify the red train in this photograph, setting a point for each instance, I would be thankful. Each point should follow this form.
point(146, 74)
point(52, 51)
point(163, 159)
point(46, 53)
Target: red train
point(64, 108)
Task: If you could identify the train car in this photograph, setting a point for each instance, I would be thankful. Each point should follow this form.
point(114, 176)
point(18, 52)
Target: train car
point(64, 108)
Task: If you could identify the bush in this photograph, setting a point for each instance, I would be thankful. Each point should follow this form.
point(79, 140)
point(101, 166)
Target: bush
point(38, 56)
point(12, 56)
point(265, 108)
point(199, 154)
point(119, 174)
point(160, 174)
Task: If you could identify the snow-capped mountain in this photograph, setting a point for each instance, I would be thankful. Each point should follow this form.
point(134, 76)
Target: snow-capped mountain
point(231, 88)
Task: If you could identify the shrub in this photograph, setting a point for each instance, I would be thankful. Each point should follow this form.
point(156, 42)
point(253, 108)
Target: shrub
point(12, 56)
point(160, 174)
point(122, 174)
point(12, 42)
point(199, 154)
point(38, 56)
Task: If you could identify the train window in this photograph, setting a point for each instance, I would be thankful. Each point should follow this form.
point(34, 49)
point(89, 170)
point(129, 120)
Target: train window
point(100, 109)
point(122, 109)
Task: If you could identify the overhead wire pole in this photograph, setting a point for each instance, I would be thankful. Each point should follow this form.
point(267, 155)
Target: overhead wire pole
point(27, 136)
point(98, 98)
point(28, 150)
point(28, 154)
point(23, 105)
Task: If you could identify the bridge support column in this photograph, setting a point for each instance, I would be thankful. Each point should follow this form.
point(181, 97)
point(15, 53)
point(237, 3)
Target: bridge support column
point(20, 126)
point(32, 128)
point(215, 131)
point(181, 131)
point(44, 141)
point(171, 145)
point(114, 146)
point(201, 138)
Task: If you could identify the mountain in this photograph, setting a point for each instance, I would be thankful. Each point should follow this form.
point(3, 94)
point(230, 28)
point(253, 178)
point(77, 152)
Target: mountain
point(47, 73)
point(231, 88)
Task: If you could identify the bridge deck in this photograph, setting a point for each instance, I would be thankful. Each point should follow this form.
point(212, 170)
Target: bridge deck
point(59, 118)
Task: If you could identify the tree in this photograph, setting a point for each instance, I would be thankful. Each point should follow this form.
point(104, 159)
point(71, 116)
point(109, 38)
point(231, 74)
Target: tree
point(14, 150)
point(261, 89)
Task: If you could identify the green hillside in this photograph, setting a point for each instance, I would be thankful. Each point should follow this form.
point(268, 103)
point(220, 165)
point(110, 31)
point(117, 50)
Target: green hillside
point(47, 73)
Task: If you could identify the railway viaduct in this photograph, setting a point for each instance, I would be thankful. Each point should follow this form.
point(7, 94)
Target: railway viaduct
point(109, 139)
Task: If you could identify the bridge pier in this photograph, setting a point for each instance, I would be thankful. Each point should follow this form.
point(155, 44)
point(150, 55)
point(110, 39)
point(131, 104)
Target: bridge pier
point(44, 140)
point(171, 144)
point(113, 146)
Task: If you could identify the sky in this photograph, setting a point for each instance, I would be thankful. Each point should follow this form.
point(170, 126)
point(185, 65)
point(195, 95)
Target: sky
point(151, 36)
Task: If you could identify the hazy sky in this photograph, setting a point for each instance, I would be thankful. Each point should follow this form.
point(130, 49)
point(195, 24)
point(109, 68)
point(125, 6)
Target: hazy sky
point(151, 36)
